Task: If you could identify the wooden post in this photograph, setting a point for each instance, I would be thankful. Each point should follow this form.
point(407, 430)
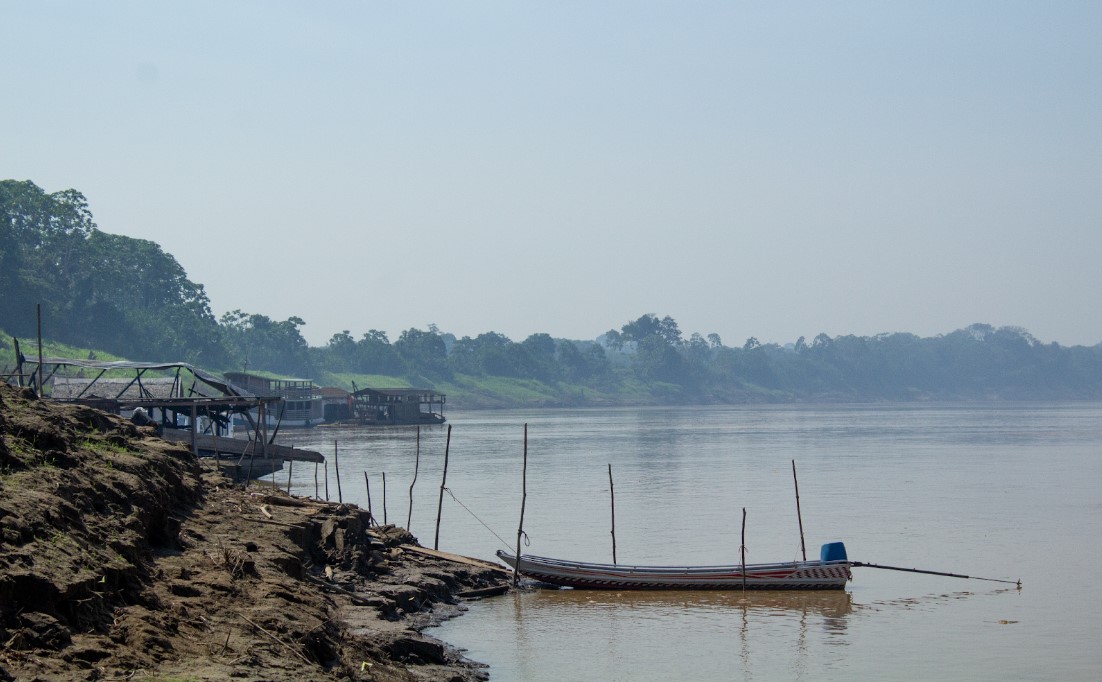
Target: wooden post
point(337, 471)
point(523, 501)
point(41, 388)
point(18, 360)
point(743, 549)
point(443, 481)
point(416, 467)
point(252, 458)
point(290, 468)
point(612, 496)
point(263, 412)
point(384, 499)
point(316, 481)
point(799, 516)
point(367, 484)
point(194, 429)
point(327, 481)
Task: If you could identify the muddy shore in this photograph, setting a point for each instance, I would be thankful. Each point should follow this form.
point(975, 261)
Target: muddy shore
point(124, 557)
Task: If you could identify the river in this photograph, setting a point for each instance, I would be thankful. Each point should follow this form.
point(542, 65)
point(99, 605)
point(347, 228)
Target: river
point(1001, 490)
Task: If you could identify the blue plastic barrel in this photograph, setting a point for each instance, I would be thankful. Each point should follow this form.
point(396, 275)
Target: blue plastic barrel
point(834, 551)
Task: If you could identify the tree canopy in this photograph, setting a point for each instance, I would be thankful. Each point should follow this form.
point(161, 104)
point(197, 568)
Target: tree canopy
point(128, 297)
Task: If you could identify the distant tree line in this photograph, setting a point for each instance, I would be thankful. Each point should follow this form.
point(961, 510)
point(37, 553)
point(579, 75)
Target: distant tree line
point(128, 297)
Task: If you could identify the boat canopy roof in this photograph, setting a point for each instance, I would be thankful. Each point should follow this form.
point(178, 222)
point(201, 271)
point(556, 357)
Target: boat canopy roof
point(212, 380)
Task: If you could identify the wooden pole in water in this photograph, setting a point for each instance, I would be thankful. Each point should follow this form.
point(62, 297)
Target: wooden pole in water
point(367, 484)
point(742, 549)
point(290, 468)
point(443, 482)
point(327, 481)
point(523, 502)
point(316, 481)
point(799, 517)
point(860, 564)
point(416, 467)
point(612, 496)
point(384, 499)
point(337, 471)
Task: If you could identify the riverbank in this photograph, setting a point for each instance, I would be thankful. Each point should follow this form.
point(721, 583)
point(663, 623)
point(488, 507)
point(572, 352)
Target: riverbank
point(124, 557)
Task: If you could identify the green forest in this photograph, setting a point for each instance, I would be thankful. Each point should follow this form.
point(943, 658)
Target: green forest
point(116, 296)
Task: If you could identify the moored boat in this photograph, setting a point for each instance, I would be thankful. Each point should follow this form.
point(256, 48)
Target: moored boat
point(831, 572)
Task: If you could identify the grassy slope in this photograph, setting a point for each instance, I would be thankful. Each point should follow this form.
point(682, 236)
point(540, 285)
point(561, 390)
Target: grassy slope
point(462, 391)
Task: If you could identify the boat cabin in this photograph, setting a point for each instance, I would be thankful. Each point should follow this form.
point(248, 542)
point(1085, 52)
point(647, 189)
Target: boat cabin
point(394, 406)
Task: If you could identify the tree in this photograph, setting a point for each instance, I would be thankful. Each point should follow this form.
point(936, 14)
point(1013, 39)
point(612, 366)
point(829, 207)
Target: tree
point(423, 352)
point(260, 343)
point(97, 289)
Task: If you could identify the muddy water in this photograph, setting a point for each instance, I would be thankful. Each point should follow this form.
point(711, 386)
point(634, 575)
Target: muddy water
point(1001, 491)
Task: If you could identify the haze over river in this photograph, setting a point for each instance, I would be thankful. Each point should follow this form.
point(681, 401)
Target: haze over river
point(995, 490)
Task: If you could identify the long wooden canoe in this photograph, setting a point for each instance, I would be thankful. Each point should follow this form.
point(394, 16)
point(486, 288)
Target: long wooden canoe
point(826, 574)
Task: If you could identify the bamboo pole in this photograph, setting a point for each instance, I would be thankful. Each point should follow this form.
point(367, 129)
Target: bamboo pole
point(799, 516)
point(443, 482)
point(859, 564)
point(194, 430)
point(41, 388)
point(523, 502)
point(384, 499)
point(367, 484)
point(612, 497)
point(742, 549)
point(416, 467)
point(337, 471)
point(18, 360)
point(263, 412)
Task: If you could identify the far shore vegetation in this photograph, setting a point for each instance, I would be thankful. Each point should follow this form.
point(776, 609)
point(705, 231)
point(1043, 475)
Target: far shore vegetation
point(114, 297)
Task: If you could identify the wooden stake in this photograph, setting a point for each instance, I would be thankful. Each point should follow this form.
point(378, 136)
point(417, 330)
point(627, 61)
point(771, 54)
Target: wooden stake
point(316, 481)
point(612, 497)
point(18, 360)
point(857, 564)
point(384, 499)
point(327, 481)
point(416, 467)
point(367, 484)
point(337, 471)
point(443, 482)
point(799, 517)
point(195, 429)
point(523, 502)
point(743, 549)
point(41, 388)
point(290, 468)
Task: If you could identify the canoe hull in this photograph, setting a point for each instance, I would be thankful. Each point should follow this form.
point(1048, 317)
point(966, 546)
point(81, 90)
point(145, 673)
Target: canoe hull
point(806, 575)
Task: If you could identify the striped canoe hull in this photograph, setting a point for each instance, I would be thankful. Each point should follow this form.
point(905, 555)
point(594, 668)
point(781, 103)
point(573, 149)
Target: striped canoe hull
point(803, 575)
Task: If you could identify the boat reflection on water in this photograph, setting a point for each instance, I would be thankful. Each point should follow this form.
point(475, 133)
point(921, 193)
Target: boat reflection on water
point(664, 633)
point(832, 604)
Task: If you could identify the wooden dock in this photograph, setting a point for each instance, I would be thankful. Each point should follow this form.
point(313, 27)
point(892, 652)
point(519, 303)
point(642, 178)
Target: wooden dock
point(223, 447)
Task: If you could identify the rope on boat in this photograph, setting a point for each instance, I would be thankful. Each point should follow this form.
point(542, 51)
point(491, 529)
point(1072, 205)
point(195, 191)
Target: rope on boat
point(452, 495)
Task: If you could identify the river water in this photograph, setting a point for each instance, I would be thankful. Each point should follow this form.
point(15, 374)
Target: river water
point(1007, 491)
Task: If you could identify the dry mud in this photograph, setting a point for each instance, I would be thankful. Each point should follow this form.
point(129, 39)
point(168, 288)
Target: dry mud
point(124, 557)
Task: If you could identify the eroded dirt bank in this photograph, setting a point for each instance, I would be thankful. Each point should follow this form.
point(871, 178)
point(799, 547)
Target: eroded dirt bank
point(123, 557)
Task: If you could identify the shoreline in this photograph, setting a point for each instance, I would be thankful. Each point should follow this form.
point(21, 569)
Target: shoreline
point(122, 556)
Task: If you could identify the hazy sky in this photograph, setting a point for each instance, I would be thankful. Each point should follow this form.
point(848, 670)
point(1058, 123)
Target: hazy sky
point(765, 169)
